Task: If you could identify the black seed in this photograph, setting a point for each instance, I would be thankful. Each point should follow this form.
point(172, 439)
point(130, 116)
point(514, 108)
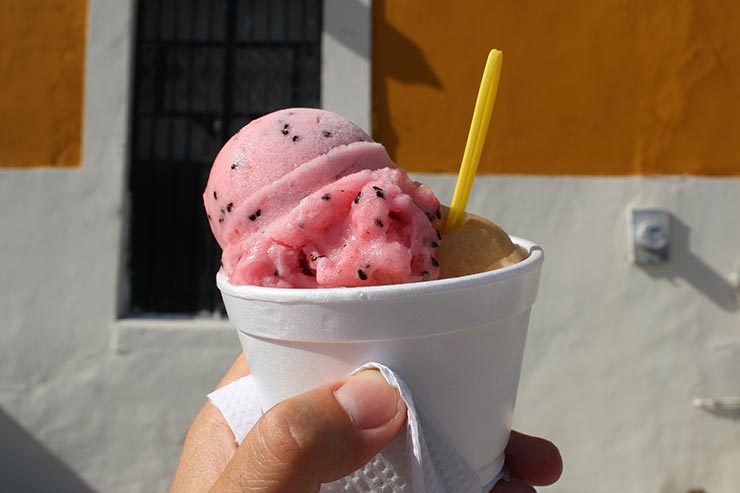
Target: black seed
point(276, 273)
point(296, 137)
point(214, 195)
point(425, 274)
point(229, 206)
point(438, 214)
point(439, 235)
point(258, 213)
point(286, 126)
point(326, 197)
point(223, 212)
point(233, 166)
point(285, 132)
point(434, 244)
point(208, 216)
point(303, 262)
point(357, 197)
point(379, 193)
point(220, 220)
point(361, 274)
point(377, 188)
point(430, 217)
point(435, 262)
point(252, 217)
point(326, 134)
point(378, 222)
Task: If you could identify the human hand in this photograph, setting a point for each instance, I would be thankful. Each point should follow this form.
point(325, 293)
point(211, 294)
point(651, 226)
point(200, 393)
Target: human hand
point(321, 436)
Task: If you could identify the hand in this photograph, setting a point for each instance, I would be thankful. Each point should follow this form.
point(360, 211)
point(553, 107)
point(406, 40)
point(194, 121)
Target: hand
point(321, 436)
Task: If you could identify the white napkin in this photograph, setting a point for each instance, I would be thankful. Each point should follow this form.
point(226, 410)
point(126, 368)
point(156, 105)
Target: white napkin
point(418, 460)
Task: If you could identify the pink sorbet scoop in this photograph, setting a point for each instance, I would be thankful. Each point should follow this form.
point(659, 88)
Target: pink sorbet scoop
point(303, 198)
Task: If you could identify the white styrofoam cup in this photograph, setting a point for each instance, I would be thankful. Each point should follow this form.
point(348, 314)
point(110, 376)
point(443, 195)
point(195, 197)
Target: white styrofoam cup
point(457, 343)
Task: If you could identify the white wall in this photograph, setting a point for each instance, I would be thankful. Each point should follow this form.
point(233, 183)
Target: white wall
point(614, 356)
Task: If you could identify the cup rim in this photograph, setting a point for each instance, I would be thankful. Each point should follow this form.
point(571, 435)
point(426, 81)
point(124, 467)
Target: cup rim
point(263, 293)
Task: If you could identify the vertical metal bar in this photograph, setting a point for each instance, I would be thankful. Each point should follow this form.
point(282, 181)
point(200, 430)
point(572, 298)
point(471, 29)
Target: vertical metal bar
point(252, 38)
point(269, 38)
point(252, 18)
point(158, 109)
point(268, 20)
point(169, 113)
point(226, 94)
point(295, 76)
point(173, 55)
point(227, 87)
point(210, 47)
point(187, 144)
point(286, 26)
point(157, 76)
point(189, 86)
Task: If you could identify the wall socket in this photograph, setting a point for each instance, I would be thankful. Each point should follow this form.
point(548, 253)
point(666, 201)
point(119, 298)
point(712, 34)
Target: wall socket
point(649, 236)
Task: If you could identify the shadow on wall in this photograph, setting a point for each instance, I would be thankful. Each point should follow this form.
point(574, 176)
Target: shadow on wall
point(686, 265)
point(26, 466)
point(395, 57)
point(731, 414)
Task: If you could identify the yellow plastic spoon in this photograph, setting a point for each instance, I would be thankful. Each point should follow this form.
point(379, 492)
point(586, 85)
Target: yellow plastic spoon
point(476, 139)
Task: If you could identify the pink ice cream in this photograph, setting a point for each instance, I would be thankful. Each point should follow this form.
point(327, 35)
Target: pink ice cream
point(304, 198)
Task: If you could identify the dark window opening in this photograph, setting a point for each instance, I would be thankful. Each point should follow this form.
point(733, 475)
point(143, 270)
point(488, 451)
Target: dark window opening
point(203, 69)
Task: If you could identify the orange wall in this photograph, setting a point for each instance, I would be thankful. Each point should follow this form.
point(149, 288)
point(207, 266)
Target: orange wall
point(42, 52)
point(588, 87)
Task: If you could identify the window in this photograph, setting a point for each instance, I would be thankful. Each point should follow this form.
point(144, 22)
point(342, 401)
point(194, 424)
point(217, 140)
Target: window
point(203, 69)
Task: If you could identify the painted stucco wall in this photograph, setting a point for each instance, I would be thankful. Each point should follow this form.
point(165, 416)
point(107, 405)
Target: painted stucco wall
point(42, 54)
point(588, 87)
point(614, 356)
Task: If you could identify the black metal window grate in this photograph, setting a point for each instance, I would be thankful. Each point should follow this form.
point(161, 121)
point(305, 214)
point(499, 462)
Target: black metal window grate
point(203, 69)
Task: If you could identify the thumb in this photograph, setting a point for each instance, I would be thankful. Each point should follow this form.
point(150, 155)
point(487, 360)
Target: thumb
point(316, 437)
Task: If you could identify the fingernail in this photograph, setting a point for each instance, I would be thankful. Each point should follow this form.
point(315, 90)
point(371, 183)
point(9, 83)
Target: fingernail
point(368, 399)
